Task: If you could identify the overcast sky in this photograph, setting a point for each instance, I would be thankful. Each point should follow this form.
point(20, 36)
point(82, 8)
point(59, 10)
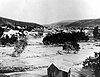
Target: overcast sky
point(49, 11)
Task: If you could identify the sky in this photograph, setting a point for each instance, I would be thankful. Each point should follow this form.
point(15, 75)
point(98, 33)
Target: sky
point(49, 11)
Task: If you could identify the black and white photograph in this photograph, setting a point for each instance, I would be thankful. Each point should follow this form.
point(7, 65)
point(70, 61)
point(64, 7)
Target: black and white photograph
point(49, 38)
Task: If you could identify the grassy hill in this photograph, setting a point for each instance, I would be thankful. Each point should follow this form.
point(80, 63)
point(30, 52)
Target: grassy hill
point(4, 21)
point(77, 23)
point(60, 24)
point(85, 23)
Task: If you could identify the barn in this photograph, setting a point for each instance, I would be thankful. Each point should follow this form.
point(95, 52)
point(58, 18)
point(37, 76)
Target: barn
point(54, 71)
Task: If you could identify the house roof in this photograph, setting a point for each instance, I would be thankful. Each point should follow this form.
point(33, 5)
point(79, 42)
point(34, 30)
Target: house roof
point(53, 66)
point(60, 67)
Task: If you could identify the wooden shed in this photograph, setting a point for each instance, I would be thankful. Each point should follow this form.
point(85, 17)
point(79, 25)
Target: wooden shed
point(53, 71)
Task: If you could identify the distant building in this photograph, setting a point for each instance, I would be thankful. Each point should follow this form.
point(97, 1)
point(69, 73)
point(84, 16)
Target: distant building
point(53, 71)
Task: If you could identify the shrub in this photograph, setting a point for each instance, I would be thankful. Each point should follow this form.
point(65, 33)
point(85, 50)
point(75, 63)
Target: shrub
point(68, 46)
point(93, 62)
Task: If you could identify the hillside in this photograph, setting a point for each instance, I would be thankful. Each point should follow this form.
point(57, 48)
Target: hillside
point(76, 23)
point(60, 24)
point(4, 21)
point(85, 23)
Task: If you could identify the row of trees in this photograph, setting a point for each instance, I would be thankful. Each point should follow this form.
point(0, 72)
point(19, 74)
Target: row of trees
point(80, 36)
point(6, 40)
point(68, 40)
point(61, 38)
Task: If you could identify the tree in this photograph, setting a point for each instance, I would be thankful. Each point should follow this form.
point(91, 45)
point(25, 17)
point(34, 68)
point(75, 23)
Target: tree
point(59, 38)
point(71, 46)
point(1, 31)
point(20, 46)
point(93, 62)
point(67, 40)
point(95, 32)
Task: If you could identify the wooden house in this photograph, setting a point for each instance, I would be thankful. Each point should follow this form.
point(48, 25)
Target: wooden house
point(53, 71)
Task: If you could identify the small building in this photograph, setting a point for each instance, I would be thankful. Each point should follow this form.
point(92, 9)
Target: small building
point(53, 71)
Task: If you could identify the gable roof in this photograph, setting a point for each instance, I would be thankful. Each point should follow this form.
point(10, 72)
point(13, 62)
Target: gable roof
point(52, 65)
point(59, 67)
